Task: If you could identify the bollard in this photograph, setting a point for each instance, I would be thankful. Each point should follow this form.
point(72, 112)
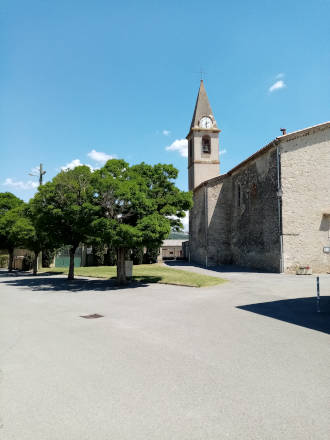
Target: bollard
point(318, 295)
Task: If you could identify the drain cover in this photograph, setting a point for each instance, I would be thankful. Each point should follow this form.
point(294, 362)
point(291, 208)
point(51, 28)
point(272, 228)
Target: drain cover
point(94, 316)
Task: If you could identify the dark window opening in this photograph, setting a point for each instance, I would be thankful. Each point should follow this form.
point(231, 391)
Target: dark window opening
point(206, 144)
point(239, 193)
point(253, 191)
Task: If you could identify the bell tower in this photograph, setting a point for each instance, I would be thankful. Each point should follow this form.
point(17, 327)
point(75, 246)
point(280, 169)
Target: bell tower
point(203, 142)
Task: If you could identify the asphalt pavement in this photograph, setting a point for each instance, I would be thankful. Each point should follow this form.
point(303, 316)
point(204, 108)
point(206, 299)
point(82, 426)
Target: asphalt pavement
point(248, 359)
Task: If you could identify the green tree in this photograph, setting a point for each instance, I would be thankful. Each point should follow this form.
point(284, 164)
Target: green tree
point(48, 255)
point(137, 255)
point(8, 202)
point(151, 255)
point(36, 239)
point(139, 206)
point(64, 209)
point(15, 229)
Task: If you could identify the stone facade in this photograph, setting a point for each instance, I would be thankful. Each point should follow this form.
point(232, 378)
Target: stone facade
point(241, 224)
point(305, 176)
point(203, 160)
point(170, 250)
point(255, 232)
point(197, 171)
point(271, 212)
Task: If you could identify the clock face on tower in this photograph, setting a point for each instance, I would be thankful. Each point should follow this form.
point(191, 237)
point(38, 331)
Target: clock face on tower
point(205, 122)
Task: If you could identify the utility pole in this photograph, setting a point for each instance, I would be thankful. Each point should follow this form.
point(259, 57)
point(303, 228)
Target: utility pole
point(41, 173)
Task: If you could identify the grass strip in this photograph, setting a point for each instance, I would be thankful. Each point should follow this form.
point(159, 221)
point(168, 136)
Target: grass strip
point(147, 273)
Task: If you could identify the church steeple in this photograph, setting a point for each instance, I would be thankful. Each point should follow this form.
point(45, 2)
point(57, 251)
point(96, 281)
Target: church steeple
point(202, 107)
point(203, 142)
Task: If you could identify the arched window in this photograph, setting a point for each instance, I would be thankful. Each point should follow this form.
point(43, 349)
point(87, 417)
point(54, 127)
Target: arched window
point(206, 144)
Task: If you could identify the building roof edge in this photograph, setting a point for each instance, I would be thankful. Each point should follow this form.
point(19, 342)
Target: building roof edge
point(273, 143)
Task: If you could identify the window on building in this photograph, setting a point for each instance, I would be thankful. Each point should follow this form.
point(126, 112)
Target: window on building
point(206, 144)
point(239, 195)
point(190, 147)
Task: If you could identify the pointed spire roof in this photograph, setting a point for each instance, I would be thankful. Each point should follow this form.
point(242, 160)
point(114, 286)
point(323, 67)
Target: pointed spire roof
point(202, 107)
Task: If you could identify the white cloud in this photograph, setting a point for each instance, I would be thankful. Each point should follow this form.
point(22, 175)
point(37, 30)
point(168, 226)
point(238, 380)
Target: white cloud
point(184, 221)
point(35, 170)
point(75, 163)
point(19, 184)
point(280, 75)
point(166, 132)
point(99, 156)
point(180, 145)
point(277, 86)
point(224, 151)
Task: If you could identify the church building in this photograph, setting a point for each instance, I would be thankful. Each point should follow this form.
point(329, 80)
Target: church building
point(271, 211)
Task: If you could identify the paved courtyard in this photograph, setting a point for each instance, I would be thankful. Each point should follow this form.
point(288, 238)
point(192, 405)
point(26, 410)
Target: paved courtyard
point(249, 359)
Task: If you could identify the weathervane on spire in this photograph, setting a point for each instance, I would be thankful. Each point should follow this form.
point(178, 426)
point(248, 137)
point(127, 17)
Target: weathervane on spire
point(203, 74)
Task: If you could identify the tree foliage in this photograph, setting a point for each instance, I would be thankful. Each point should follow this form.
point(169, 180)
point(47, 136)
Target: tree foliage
point(64, 209)
point(123, 207)
point(15, 229)
point(8, 201)
point(138, 206)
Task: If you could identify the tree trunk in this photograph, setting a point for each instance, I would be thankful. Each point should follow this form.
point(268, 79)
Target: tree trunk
point(35, 263)
point(71, 265)
point(11, 259)
point(121, 272)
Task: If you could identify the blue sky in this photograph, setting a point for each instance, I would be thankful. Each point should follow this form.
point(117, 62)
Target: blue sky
point(82, 78)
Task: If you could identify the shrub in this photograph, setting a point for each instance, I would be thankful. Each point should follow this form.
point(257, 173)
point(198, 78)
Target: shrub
point(98, 254)
point(110, 258)
point(47, 257)
point(27, 262)
point(4, 260)
point(137, 255)
point(151, 255)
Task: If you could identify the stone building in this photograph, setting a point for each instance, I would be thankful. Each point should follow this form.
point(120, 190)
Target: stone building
point(271, 211)
point(171, 250)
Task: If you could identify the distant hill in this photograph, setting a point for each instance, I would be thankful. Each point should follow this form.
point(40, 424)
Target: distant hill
point(178, 236)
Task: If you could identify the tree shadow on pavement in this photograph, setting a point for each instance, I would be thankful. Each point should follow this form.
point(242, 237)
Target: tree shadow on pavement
point(298, 311)
point(57, 284)
point(4, 273)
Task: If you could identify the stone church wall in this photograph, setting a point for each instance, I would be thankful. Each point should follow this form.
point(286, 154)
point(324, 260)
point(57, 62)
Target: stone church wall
point(203, 166)
point(210, 223)
point(255, 237)
point(219, 200)
point(305, 171)
point(197, 232)
point(242, 222)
